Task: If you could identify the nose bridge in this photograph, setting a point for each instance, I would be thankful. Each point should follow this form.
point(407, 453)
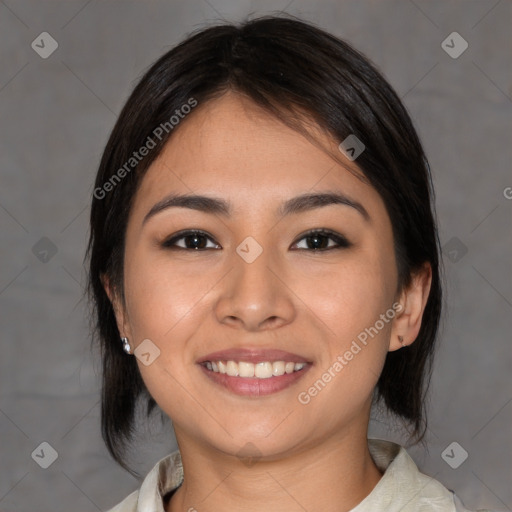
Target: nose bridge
point(254, 297)
point(253, 278)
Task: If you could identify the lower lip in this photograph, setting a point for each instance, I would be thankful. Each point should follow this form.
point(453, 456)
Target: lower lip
point(251, 386)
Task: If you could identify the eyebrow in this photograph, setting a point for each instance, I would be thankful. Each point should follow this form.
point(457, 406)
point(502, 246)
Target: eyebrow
point(212, 205)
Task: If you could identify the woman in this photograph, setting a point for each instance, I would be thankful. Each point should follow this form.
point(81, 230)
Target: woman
point(264, 263)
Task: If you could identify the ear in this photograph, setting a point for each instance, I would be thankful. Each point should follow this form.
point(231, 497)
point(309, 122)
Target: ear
point(117, 304)
point(413, 300)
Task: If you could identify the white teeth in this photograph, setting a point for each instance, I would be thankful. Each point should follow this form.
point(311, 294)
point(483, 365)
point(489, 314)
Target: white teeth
point(278, 368)
point(263, 370)
point(245, 369)
point(232, 369)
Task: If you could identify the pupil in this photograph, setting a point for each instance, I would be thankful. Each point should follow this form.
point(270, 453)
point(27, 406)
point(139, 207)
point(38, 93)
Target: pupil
point(196, 241)
point(318, 242)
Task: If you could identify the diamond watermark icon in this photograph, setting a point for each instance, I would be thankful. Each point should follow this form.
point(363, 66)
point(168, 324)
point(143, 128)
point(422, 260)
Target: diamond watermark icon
point(351, 147)
point(147, 352)
point(249, 249)
point(249, 454)
point(454, 455)
point(44, 45)
point(44, 250)
point(45, 455)
point(454, 249)
point(454, 45)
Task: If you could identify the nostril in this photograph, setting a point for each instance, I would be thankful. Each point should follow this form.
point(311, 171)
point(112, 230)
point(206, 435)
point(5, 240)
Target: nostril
point(272, 320)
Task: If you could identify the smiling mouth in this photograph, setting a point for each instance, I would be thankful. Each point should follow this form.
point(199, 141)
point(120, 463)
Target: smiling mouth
point(261, 370)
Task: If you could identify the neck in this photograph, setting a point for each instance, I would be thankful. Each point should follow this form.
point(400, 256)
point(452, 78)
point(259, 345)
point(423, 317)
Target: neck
point(335, 476)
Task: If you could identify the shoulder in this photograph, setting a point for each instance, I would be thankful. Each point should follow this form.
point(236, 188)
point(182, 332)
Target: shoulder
point(403, 487)
point(459, 506)
point(129, 504)
point(166, 475)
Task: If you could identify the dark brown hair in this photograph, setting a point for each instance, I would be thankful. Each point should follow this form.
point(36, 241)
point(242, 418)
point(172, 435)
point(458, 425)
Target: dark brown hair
point(297, 72)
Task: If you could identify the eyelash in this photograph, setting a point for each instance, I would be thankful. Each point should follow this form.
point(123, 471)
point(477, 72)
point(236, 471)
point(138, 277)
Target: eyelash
point(340, 240)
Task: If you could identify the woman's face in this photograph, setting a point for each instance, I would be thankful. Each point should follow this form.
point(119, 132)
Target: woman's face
point(252, 285)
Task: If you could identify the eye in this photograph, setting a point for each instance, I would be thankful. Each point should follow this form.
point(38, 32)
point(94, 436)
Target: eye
point(321, 240)
point(192, 239)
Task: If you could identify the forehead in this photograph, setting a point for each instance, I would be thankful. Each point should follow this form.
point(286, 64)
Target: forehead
point(232, 148)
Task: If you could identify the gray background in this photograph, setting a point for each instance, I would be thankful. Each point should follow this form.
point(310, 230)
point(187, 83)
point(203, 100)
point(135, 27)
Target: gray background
point(56, 114)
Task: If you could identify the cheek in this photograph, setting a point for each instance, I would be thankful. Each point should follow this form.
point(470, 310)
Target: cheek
point(166, 306)
point(349, 299)
point(350, 295)
point(162, 298)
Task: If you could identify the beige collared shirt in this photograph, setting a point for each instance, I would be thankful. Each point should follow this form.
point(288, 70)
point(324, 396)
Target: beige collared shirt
point(402, 487)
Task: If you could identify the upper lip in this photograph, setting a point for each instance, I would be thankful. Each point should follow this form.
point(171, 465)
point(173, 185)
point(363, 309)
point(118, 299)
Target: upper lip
point(253, 355)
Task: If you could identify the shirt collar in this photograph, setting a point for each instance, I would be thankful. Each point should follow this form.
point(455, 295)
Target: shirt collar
point(402, 487)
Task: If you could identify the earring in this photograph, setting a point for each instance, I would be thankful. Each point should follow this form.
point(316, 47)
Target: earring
point(126, 345)
point(401, 341)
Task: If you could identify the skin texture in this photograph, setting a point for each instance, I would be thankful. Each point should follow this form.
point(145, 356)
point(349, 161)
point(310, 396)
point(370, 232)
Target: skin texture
point(190, 303)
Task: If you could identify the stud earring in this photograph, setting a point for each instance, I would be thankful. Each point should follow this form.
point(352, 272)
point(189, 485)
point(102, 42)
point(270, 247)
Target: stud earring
point(401, 341)
point(126, 345)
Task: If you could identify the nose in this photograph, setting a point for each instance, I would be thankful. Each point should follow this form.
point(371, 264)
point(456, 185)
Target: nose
point(255, 296)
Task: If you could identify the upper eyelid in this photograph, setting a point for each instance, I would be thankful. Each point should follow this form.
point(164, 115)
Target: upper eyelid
point(182, 234)
point(333, 235)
